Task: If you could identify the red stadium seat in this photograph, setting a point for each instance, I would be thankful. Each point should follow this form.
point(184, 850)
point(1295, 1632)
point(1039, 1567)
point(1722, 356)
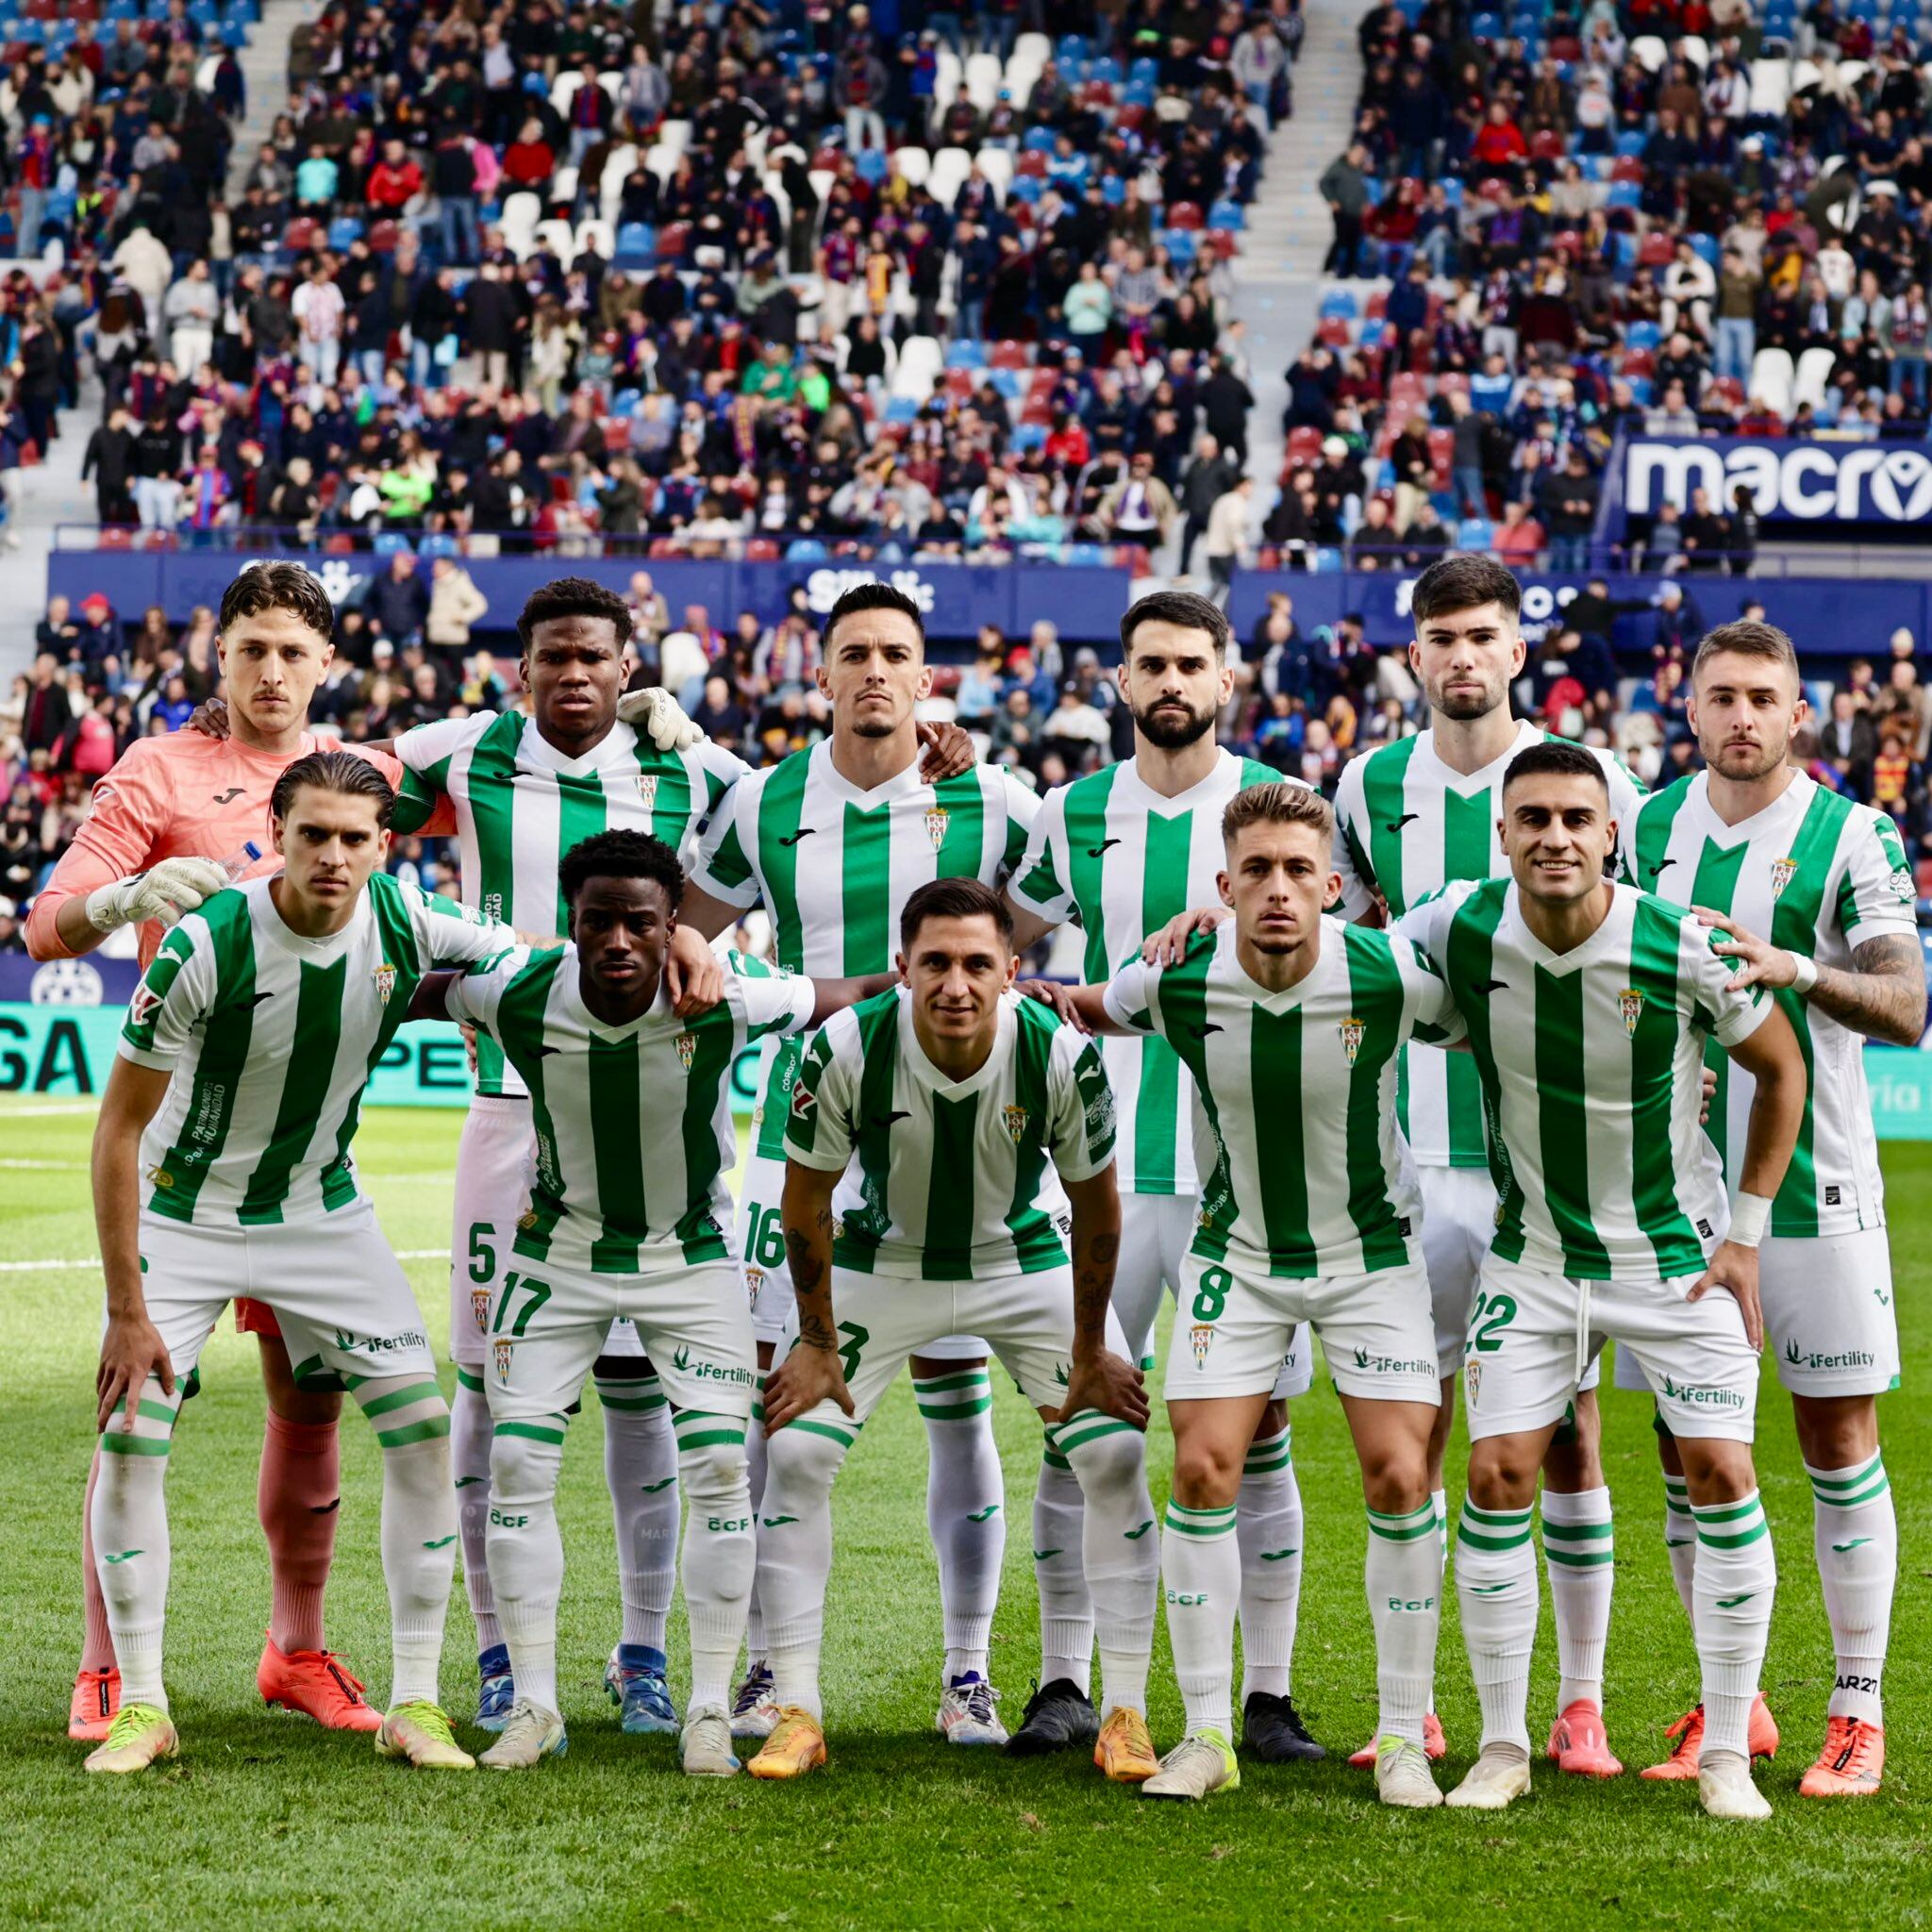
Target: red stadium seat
point(114, 536)
point(1627, 168)
point(1185, 214)
point(383, 238)
point(1012, 355)
point(1034, 163)
point(761, 550)
point(1656, 250)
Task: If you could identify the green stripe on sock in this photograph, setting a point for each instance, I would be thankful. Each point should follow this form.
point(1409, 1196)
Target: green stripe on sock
point(426, 1431)
point(1725, 1512)
point(941, 1385)
point(535, 1432)
point(1840, 1502)
point(1577, 1532)
point(156, 1412)
point(1051, 1459)
point(401, 1398)
point(467, 1378)
point(1493, 1519)
point(1847, 1479)
point(833, 1432)
point(1579, 1560)
point(948, 1412)
point(115, 1443)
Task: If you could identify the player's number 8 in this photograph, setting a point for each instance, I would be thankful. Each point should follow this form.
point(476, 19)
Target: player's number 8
point(1211, 1296)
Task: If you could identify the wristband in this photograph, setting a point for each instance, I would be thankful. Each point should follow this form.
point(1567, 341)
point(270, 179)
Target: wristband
point(1806, 977)
point(1750, 1215)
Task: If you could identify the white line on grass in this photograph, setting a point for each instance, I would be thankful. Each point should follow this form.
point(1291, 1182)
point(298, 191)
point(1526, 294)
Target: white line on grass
point(92, 1261)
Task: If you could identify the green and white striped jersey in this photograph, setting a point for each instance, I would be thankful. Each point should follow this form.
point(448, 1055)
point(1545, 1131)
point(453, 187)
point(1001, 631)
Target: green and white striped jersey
point(1293, 1095)
point(1406, 824)
point(953, 1180)
point(520, 805)
point(835, 866)
point(634, 1130)
point(271, 1039)
point(1593, 1072)
point(1817, 875)
point(1115, 857)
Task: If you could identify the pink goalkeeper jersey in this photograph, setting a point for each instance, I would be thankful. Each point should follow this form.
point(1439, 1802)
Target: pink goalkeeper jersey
point(182, 796)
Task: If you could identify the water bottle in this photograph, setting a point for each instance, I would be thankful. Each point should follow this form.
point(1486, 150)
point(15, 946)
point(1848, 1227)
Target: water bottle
point(240, 860)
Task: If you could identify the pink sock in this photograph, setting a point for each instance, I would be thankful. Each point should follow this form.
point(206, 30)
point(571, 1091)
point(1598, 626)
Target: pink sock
point(297, 1501)
point(97, 1647)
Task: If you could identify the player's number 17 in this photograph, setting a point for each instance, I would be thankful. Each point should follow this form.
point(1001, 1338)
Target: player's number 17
point(538, 1294)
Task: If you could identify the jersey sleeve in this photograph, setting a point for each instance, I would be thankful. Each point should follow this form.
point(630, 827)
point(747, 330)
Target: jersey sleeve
point(132, 808)
point(452, 935)
point(1725, 1011)
point(1628, 791)
point(1438, 1019)
point(1130, 999)
point(723, 866)
point(1040, 882)
point(1877, 895)
point(772, 999)
point(1022, 811)
point(422, 757)
point(1359, 893)
point(721, 770)
point(178, 989)
point(819, 1128)
point(1425, 925)
point(1080, 1134)
point(477, 996)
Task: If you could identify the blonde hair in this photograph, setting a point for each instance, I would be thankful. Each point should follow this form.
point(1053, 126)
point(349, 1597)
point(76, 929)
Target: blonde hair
point(1277, 804)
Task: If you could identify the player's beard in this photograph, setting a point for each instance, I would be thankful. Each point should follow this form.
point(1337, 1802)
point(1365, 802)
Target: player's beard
point(1463, 706)
point(1745, 764)
point(1172, 732)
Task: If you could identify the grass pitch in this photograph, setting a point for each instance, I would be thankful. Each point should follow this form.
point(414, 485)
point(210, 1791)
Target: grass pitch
point(268, 1820)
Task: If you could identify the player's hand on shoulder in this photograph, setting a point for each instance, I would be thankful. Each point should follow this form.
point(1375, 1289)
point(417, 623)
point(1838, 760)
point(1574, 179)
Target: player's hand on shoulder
point(1759, 962)
point(166, 892)
point(209, 718)
point(1109, 1383)
point(131, 1351)
point(654, 713)
point(1734, 1269)
point(1054, 993)
point(693, 973)
point(807, 1377)
point(1169, 947)
point(945, 751)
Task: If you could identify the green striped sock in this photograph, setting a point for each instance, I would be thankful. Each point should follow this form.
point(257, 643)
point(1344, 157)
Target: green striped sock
point(1406, 1528)
point(1204, 1524)
point(1492, 1530)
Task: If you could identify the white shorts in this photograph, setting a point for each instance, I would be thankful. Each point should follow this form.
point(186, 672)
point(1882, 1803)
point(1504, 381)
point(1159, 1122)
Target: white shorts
point(1458, 1221)
point(337, 1288)
point(551, 1323)
point(1829, 1320)
point(1235, 1325)
point(768, 1274)
point(884, 1320)
point(495, 1159)
point(1154, 1233)
point(1531, 1332)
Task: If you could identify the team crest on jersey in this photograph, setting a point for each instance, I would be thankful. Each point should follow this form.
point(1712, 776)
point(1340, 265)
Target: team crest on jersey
point(647, 789)
point(753, 1280)
point(1015, 1117)
point(504, 1345)
point(1472, 1380)
point(141, 1009)
point(1630, 1004)
point(1783, 871)
point(936, 819)
point(385, 978)
point(803, 1101)
point(479, 1307)
point(1351, 1030)
point(1201, 1338)
point(687, 1046)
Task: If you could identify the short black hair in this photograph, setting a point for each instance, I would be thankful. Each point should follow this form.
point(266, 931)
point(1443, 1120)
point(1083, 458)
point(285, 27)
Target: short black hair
point(872, 596)
point(1463, 582)
point(573, 597)
point(1182, 608)
point(1555, 757)
point(278, 587)
point(334, 770)
point(621, 855)
point(953, 899)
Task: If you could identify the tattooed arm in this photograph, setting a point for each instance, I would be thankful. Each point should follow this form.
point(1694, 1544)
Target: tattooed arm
point(1881, 995)
point(1097, 1378)
point(812, 1372)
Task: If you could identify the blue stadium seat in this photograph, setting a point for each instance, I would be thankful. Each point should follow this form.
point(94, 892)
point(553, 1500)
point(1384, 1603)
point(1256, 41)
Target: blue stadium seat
point(1339, 304)
point(1326, 562)
point(870, 164)
point(1113, 189)
point(1704, 246)
point(1072, 48)
point(1485, 26)
point(1106, 67)
point(1474, 533)
point(1630, 142)
point(1039, 141)
point(439, 543)
point(1227, 213)
point(1009, 382)
point(1026, 436)
point(1639, 389)
point(806, 550)
point(391, 544)
point(1085, 556)
point(901, 410)
point(1026, 188)
point(963, 354)
point(637, 246)
point(1642, 335)
point(1138, 93)
point(1624, 195)
point(1144, 67)
point(343, 230)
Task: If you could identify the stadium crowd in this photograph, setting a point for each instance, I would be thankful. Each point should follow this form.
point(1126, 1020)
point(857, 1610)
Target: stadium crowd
point(1305, 700)
point(1566, 217)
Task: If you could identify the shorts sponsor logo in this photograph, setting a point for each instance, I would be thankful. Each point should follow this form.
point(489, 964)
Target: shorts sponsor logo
point(1846, 1358)
point(385, 978)
point(1201, 1339)
point(1015, 1117)
point(687, 1046)
point(1630, 1004)
point(1696, 1397)
point(936, 819)
point(479, 1308)
point(1351, 1030)
point(1783, 871)
point(503, 1346)
point(1391, 1365)
point(686, 1364)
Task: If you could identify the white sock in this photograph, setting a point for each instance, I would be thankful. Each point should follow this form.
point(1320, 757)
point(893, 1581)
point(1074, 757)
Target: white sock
point(419, 1527)
point(719, 1550)
point(755, 1464)
point(469, 1434)
point(794, 1553)
point(1580, 1553)
point(1119, 1549)
point(1495, 1586)
point(965, 1509)
point(1268, 1528)
point(1403, 1575)
point(527, 1550)
point(1066, 1610)
point(1441, 1499)
point(1201, 1566)
point(131, 1547)
point(1857, 1538)
point(1680, 1539)
point(640, 1466)
point(1737, 1578)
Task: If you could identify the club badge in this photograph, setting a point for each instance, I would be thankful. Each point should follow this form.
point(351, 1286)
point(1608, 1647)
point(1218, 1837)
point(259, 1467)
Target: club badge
point(687, 1046)
point(1351, 1030)
point(385, 978)
point(937, 820)
point(1201, 1337)
point(1015, 1117)
point(1630, 1004)
point(1783, 871)
point(504, 1345)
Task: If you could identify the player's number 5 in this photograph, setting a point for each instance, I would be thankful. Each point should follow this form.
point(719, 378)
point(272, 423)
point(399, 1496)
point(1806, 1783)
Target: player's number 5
point(482, 1256)
point(537, 1291)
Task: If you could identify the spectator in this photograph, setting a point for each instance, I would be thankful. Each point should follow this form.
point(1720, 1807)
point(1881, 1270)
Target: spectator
point(456, 605)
